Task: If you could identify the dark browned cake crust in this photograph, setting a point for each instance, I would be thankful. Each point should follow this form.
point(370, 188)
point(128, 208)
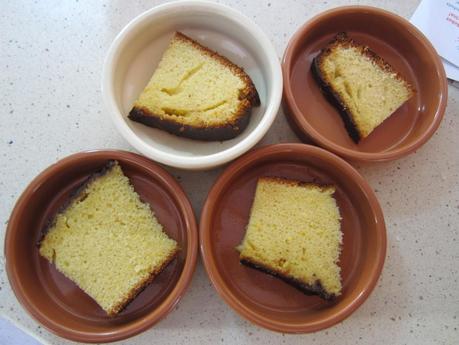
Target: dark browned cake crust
point(248, 96)
point(307, 289)
point(210, 133)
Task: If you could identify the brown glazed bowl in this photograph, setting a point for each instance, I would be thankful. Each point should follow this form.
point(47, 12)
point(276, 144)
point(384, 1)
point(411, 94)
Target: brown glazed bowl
point(268, 301)
point(399, 43)
point(55, 301)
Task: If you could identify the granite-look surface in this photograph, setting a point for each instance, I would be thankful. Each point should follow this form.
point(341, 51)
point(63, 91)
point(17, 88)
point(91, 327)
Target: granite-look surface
point(51, 60)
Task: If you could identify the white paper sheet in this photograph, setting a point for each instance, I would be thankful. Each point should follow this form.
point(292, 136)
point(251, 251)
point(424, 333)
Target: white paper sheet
point(439, 21)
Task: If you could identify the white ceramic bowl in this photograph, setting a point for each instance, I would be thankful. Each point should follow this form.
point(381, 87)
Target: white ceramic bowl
point(136, 51)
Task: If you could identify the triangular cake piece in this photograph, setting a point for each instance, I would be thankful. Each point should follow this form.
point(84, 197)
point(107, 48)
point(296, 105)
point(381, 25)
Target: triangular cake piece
point(365, 88)
point(196, 93)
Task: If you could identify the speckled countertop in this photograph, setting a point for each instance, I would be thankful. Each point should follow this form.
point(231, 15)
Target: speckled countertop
point(51, 60)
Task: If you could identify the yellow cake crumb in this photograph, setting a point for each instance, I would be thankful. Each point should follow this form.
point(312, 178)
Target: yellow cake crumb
point(192, 86)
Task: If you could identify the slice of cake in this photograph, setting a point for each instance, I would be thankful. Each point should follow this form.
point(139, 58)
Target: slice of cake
point(294, 234)
point(365, 88)
point(196, 93)
point(107, 241)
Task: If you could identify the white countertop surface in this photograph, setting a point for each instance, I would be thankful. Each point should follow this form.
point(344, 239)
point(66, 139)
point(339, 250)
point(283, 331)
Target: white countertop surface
point(51, 60)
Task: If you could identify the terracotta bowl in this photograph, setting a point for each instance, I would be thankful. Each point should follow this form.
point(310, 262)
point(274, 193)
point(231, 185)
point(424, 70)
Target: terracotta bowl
point(55, 301)
point(267, 301)
point(399, 43)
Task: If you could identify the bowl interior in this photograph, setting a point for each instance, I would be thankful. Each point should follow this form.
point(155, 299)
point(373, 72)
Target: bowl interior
point(60, 304)
point(267, 300)
point(398, 43)
point(142, 48)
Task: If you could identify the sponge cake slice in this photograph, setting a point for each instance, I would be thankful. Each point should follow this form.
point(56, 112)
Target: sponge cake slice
point(294, 234)
point(107, 241)
point(365, 88)
point(196, 93)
